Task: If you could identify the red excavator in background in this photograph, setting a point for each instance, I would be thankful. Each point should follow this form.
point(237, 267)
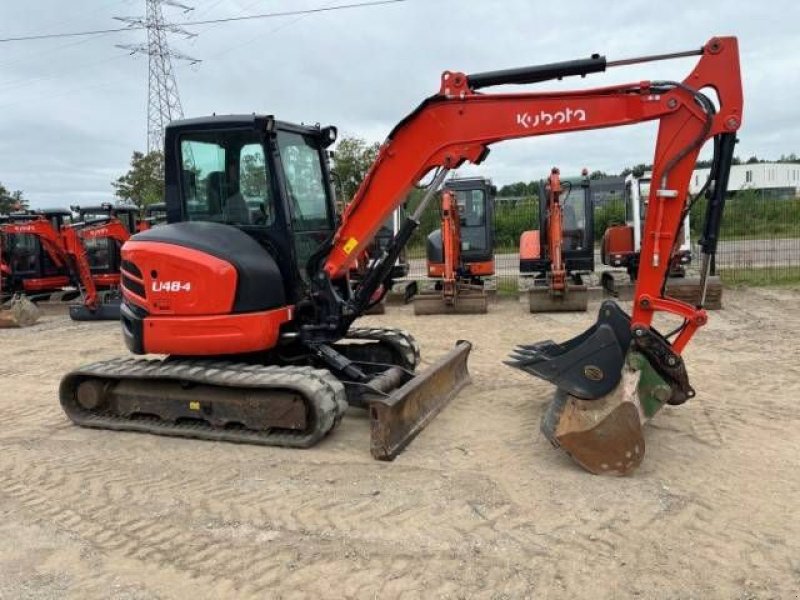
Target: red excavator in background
point(561, 251)
point(67, 254)
point(251, 295)
point(31, 269)
point(460, 254)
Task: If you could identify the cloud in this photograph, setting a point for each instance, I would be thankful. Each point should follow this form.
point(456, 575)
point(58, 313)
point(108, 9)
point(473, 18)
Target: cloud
point(74, 110)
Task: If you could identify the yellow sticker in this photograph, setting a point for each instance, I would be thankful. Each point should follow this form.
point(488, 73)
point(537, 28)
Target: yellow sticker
point(194, 406)
point(350, 245)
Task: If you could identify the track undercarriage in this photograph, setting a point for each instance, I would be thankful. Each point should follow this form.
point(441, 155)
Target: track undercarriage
point(281, 400)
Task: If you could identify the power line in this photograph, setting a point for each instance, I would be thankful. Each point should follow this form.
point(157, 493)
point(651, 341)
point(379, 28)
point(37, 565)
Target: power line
point(272, 15)
point(163, 101)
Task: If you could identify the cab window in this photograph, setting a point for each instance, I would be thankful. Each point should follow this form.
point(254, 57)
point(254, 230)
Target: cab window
point(226, 179)
point(472, 206)
point(305, 182)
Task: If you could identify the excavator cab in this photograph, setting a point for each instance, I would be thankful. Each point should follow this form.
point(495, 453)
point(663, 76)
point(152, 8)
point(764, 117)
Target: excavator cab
point(475, 199)
point(31, 269)
point(460, 253)
point(104, 252)
point(267, 178)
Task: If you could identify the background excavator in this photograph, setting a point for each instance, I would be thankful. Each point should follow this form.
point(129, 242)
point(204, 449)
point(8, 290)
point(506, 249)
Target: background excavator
point(251, 299)
point(460, 254)
point(60, 259)
point(561, 251)
point(621, 248)
point(31, 269)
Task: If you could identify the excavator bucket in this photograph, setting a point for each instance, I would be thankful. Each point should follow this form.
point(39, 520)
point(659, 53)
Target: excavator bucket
point(107, 310)
point(606, 392)
point(574, 299)
point(396, 419)
point(18, 312)
point(469, 300)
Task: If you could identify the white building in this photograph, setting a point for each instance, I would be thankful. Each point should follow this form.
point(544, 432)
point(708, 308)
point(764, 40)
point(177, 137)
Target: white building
point(781, 180)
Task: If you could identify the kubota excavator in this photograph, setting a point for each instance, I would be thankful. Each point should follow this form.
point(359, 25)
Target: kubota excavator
point(621, 248)
point(460, 254)
point(66, 252)
point(561, 251)
point(255, 310)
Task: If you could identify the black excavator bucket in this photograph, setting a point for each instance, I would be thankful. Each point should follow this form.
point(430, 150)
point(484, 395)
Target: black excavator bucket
point(107, 310)
point(588, 366)
point(604, 396)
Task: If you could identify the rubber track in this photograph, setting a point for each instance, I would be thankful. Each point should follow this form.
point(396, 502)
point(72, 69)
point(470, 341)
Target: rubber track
point(324, 395)
point(402, 341)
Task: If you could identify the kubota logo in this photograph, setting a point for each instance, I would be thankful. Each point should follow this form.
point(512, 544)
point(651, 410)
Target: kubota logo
point(171, 286)
point(569, 115)
point(24, 228)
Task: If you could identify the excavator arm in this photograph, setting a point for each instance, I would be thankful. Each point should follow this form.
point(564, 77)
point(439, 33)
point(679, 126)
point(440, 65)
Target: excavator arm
point(96, 306)
point(459, 124)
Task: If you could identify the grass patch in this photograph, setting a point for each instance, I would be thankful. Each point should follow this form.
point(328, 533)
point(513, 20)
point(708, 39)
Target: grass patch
point(769, 276)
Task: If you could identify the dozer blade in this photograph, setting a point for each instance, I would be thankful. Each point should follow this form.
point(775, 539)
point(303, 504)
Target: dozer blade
point(104, 312)
point(617, 284)
point(687, 289)
point(395, 420)
point(19, 312)
point(107, 310)
point(575, 299)
point(466, 302)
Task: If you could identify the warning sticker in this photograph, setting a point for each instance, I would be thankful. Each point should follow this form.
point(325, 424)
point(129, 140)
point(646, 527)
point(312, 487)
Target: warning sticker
point(350, 245)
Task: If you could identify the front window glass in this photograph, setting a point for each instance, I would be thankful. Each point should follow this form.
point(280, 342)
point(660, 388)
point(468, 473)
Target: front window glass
point(225, 178)
point(472, 204)
point(574, 218)
point(305, 181)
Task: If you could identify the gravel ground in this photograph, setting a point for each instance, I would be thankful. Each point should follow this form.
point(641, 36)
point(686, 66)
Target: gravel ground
point(479, 506)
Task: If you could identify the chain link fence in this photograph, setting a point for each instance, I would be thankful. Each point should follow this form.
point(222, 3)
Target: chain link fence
point(759, 242)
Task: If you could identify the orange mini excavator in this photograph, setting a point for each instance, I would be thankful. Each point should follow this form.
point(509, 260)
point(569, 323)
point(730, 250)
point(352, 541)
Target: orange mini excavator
point(66, 251)
point(562, 249)
point(460, 254)
point(250, 296)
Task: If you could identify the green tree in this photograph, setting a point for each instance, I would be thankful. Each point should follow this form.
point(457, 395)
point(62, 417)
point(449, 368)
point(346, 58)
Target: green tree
point(254, 178)
point(143, 184)
point(351, 161)
point(11, 201)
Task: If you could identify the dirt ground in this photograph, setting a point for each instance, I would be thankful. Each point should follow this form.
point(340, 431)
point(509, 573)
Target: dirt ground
point(479, 506)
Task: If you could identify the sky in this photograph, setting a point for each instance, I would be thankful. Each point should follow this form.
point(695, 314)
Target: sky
point(72, 110)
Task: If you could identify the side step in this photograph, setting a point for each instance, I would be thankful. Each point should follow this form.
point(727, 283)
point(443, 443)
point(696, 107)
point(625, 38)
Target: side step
point(396, 419)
